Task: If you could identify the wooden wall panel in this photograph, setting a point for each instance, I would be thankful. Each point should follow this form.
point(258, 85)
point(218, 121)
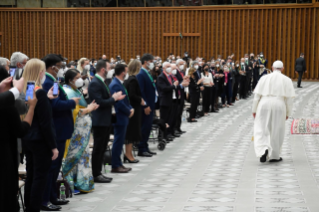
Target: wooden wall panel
point(281, 32)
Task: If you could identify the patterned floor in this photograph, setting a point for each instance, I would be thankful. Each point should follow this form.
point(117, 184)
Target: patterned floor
point(213, 168)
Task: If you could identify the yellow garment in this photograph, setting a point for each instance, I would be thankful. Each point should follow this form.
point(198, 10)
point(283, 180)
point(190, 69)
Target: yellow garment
point(75, 114)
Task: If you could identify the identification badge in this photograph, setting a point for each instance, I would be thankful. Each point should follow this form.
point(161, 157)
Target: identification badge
point(156, 93)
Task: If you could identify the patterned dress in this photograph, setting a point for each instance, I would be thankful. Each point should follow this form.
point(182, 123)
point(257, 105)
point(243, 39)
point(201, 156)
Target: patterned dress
point(77, 166)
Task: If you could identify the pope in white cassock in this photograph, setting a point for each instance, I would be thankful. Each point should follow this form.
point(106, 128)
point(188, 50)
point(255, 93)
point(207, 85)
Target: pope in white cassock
point(272, 105)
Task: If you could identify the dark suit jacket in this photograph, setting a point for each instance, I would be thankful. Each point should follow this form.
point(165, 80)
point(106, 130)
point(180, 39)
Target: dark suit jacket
point(61, 112)
point(122, 107)
point(7, 99)
point(147, 89)
point(42, 128)
point(180, 80)
point(300, 64)
point(165, 90)
point(102, 117)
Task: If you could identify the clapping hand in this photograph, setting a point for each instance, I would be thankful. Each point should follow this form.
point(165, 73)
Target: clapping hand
point(118, 96)
point(132, 113)
point(176, 83)
point(93, 106)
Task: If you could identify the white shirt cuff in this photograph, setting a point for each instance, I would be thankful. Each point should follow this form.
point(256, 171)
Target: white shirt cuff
point(15, 92)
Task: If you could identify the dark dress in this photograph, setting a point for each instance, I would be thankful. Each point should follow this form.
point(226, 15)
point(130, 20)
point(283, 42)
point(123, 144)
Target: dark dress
point(194, 92)
point(11, 128)
point(133, 132)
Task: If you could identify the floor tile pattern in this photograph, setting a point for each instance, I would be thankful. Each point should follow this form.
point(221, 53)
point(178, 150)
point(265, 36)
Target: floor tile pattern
point(214, 168)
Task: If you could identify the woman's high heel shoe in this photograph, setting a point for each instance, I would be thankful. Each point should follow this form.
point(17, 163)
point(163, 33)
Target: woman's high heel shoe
point(130, 161)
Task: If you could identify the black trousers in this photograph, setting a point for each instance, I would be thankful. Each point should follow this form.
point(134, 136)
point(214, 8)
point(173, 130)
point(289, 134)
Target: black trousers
point(207, 99)
point(101, 136)
point(39, 159)
point(173, 116)
point(213, 98)
point(248, 84)
point(194, 100)
point(235, 90)
point(300, 73)
point(180, 109)
point(242, 88)
point(164, 115)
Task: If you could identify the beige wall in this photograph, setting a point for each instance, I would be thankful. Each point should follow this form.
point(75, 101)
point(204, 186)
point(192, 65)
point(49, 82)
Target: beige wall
point(6, 2)
point(28, 3)
point(54, 3)
point(35, 3)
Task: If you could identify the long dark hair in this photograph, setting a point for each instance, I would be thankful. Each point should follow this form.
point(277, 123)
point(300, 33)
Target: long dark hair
point(70, 75)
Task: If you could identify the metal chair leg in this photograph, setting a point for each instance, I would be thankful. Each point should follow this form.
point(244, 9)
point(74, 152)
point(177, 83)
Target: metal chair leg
point(20, 194)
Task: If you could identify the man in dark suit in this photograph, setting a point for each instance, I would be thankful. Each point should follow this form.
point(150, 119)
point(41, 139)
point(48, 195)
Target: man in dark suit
point(180, 75)
point(64, 127)
point(150, 96)
point(101, 118)
point(243, 79)
point(167, 88)
point(300, 68)
point(124, 111)
point(249, 74)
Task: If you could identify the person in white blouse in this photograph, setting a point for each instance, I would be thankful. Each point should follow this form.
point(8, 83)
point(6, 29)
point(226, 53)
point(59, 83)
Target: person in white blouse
point(272, 105)
point(208, 84)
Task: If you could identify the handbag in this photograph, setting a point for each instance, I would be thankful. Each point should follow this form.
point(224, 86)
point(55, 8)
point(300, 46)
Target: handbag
point(68, 191)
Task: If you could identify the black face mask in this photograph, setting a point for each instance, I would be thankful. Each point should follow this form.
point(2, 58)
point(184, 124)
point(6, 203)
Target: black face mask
point(251, 58)
point(206, 69)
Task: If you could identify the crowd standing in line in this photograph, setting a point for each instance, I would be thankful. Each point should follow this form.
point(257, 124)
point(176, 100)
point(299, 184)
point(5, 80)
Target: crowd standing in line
point(104, 97)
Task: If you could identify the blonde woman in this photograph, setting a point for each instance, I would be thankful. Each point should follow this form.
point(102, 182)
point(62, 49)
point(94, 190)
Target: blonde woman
point(84, 64)
point(133, 133)
point(40, 143)
point(194, 92)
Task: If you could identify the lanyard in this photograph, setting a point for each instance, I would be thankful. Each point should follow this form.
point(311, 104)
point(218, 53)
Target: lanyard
point(50, 76)
point(151, 78)
point(126, 92)
point(100, 78)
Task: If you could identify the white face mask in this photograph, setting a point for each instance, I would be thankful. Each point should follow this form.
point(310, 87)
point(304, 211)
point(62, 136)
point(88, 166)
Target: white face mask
point(95, 64)
point(173, 58)
point(43, 79)
point(261, 56)
point(150, 66)
point(237, 65)
point(217, 66)
point(168, 70)
point(181, 67)
point(109, 74)
point(79, 83)
point(174, 72)
point(196, 66)
point(242, 64)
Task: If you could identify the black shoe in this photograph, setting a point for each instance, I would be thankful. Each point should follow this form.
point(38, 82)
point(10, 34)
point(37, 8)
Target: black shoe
point(125, 159)
point(175, 135)
point(101, 179)
point(181, 131)
point(299, 87)
point(152, 153)
point(50, 207)
point(275, 160)
point(167, 140)
point(108, 178)
point(144, 154)
point(59, 202)
point(264, 157)
point(170, 136)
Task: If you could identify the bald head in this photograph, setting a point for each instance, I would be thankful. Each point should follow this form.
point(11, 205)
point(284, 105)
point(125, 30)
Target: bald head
point(104, 57)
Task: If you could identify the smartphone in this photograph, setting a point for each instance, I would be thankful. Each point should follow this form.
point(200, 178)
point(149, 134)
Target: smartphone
point(12, 71)
point(29, 91)
point(84, 72)
point(55, 88)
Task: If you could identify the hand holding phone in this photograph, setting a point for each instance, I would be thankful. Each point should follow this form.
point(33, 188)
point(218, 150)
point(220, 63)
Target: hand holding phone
point(29, 91)
point(55, 89)
point(32, 102)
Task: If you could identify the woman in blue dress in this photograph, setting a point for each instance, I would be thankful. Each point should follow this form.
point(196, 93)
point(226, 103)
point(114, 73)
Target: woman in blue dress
point(76, 166)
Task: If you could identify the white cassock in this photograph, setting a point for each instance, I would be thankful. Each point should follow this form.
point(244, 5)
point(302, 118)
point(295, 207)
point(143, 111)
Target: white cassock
point(272, 102)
